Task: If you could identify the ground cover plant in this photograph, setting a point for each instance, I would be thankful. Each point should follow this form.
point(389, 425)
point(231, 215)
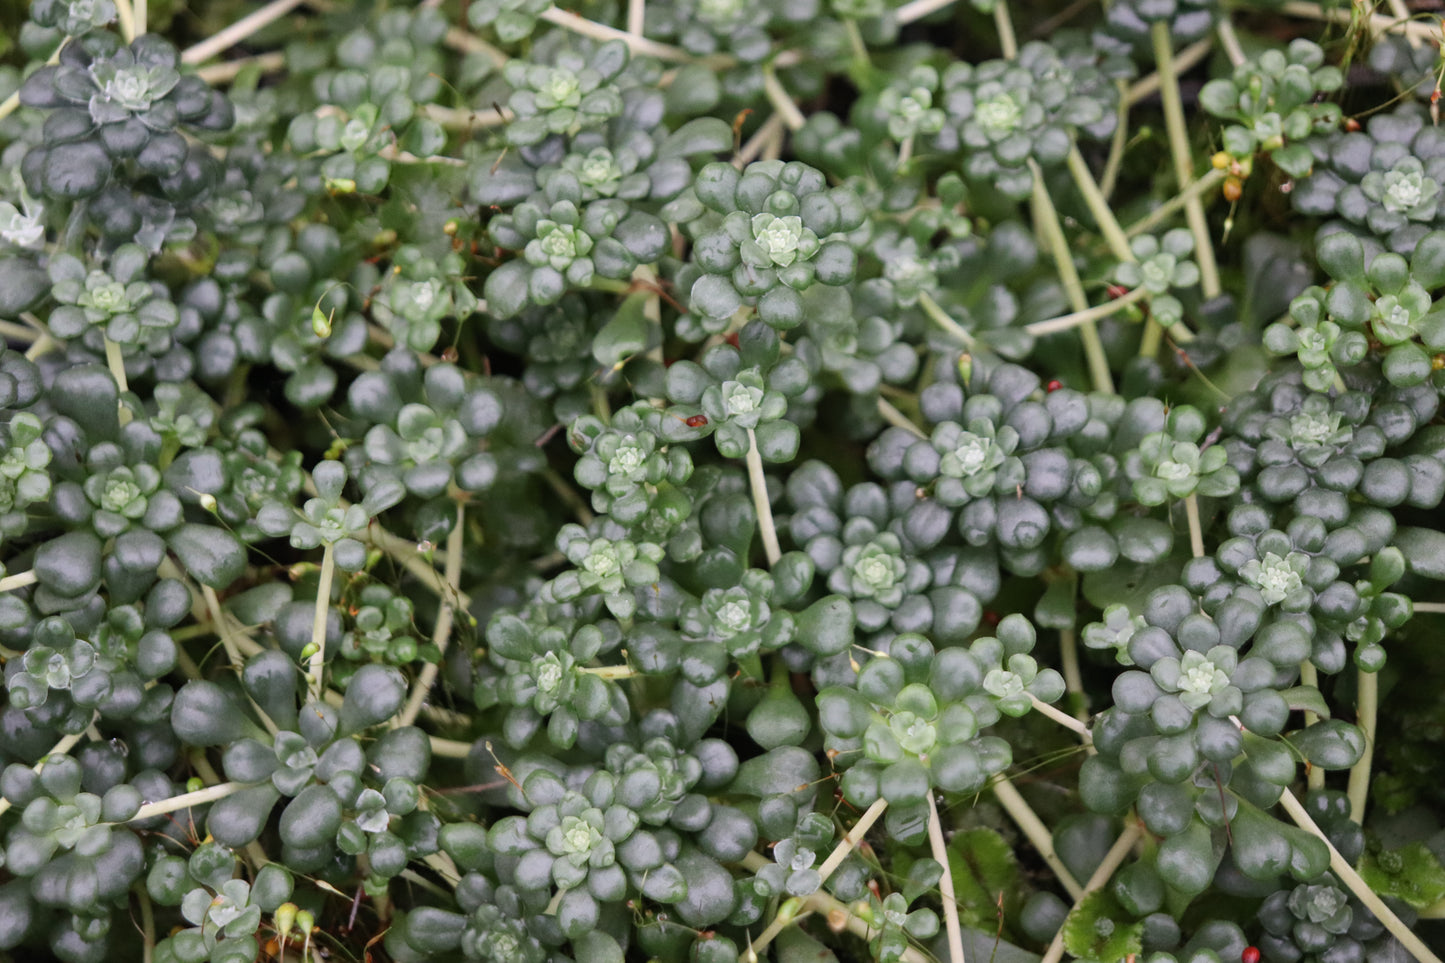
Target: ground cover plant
point(721, 480)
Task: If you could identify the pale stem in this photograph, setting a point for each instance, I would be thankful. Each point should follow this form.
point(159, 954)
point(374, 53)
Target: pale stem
point(918, 9)
point(1112, 860)
point(463, 42)
point(758, 482)
point(116, 362)
point(59, 749)
point(895, 418)
point(578, 24)
point(1358, 886)
point(1038, 834)
point(405, 554)
point(1087, 316)
point(19, 580)
point(754, 145)
point(125, 17)
point(1229, 40)
point(224, 73)
point(1212, 179)
point(446, 619)
point(1098, 206)
point(20, 332)
point(1058, 243)
point(450, 748)
point(781, 101)
point(141, 15)
point(1007, 40)
point(610, 671)
point(1429, 608)
point(1187, 58)
point(945, 883)
point(1421, 31)
point(1178, 132)
point(905, 151)
point(1367, 705)
point(8, 105)
point(945, 322)
point(238, 31)
point(317, 664)
point(220, 626)
point(1196, 533)
point(636, 14)
point(834, 860)
point(186, 800)
point(1073, 678)
point(1063, 719)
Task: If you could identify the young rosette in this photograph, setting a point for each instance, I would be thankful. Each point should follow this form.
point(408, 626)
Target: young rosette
point(1170, 464)
point(576, 91)
point(612, 567)
point(120, 303)
point(1318, 922)
point(774, 230)
point(913, 721)
point(541, 672)
point(634, 475)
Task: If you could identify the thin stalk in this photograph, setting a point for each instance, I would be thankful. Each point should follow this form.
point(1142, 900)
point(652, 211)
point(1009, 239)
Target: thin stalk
point(1212, 179)
point(446, 619)
point(891, 415)
point(1309, 675)
point(1367, 705)
point(1185, 59)
point(468, 43)
point(1421, 30)
point(755, 143)
point(116, 362)
point(1073, 678)
point(405, 554)
point(147, 924)
point(579, 24)
point(1098, 206)
point(1112, 860)
point(855, 41)
point(220, 626)
point(758, 482)
point(1179, 151)
point(1429, 608)
point(1063, 719)
point(141, 15)
point(918, 9)
point(1358, 886)
point(1038, 834)
point(59, 749)
point(945, 883)
point(1117, 143)
point(186, 800)
point(125, 17)
point(1007, 40)
point(1067, 322)
point(317, 664)
point(1229, 40)
point(780, 99)
point(21, 579)
point(20, 332)
point(238, 31)
point(611, 671)
point(1196, 533)
point(1058, 244)
point(636, 15)
point(223, 73)
point(450, 748)
point(945, 322)
point(9, 104)
point(786, 913)
point(568, 495)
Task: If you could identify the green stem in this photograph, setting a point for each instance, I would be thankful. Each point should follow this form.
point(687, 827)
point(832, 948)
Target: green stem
point(147, 923)
point(1073, 678)
point(1089, 315)
point(780, 99)
point(1007, 40)
point(1098, 206)
point(1212, 179)
point(446, 619)
point(945, 882)
point(855, 42)
point(891, 415)
point(1038, 834)
point(1358, 886)
point(1179, 151)
point(1196, 532)
point(1117, 144)
point(758, 482)
point(317, 663)
point(1367, 704)
point(1229, 40)
point(1058, 244)
point(940, 317)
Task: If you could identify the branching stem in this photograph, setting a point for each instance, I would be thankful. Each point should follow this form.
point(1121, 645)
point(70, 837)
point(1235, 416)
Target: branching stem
point(1367, 705)
point(945, 322)
point(1211, 179)
point(1358, 886)
point(446, 619)
point(945, 882)
point(1112, 860)
point(1067, 322)
point(1098, 206)
point(758, 482)
point(1038, 834)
